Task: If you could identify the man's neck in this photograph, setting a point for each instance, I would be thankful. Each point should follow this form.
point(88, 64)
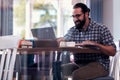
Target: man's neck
point(86, 24)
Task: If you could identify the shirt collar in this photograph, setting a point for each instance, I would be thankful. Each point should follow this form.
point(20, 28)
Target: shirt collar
point(90, 26)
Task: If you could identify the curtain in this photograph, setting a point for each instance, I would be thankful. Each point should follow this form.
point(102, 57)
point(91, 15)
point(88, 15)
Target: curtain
point(96, 7)
point(6, 17)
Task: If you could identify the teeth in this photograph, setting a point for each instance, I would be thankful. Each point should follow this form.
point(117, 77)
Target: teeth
point(77, 22)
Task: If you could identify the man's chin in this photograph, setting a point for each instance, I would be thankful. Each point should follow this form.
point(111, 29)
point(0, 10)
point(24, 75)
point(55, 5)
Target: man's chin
point(77, 23)
point(79, 27)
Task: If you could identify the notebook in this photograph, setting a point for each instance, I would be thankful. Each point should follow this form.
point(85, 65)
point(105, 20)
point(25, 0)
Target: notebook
point(43, 33)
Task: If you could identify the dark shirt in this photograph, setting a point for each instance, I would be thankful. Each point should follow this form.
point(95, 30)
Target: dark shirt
point(94, 32)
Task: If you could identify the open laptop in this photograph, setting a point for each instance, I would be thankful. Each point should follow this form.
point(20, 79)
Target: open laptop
point(43, 33)
point(45, 43)
point(45, 37)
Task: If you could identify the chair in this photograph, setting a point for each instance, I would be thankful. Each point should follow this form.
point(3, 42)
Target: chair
point(114, 68)
point(8, 51)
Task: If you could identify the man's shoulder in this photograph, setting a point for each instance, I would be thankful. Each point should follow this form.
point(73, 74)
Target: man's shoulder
point(98, 25)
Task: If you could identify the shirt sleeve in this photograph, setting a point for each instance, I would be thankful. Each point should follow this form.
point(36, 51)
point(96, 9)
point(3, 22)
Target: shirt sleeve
point(106, 37)
point(69, 36)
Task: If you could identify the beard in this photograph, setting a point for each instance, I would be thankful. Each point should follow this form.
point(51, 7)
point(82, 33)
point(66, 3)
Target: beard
point(79, 24)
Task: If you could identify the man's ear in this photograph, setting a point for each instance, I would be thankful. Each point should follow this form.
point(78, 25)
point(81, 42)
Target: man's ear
point(87, 14)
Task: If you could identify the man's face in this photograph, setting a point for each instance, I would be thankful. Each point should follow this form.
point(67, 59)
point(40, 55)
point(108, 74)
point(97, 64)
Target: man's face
point(78, 18)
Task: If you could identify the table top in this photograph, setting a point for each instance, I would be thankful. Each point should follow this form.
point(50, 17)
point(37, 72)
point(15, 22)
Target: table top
point(59, 49)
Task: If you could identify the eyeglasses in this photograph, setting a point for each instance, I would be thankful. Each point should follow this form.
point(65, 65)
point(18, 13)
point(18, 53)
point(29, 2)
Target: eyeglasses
point(77, 15)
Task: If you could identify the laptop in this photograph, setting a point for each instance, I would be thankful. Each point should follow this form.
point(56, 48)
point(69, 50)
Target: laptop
point(43, 33)
point(45, 43)
point(45, 37)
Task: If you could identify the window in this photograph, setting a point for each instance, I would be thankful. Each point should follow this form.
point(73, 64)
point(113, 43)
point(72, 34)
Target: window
point(42, 13)
point(19, 17)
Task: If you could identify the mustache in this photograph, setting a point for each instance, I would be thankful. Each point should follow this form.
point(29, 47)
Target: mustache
point(77, 22)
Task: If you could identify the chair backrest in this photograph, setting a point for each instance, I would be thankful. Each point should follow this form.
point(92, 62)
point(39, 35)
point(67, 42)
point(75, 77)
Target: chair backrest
point(9, 42)
point(115, 66)
point(8, 51)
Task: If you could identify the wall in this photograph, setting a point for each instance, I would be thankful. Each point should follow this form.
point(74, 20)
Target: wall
point(116, 19)
point(111, 17)
point(108, 14)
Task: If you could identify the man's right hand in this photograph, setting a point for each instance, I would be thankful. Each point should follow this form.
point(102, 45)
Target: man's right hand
point(60, 39)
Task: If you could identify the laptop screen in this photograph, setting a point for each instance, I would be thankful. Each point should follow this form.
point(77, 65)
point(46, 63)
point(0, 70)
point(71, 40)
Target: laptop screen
point(43, 33)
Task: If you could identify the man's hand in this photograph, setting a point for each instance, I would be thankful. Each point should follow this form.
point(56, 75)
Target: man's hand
point(60, 39)
point(87, 42)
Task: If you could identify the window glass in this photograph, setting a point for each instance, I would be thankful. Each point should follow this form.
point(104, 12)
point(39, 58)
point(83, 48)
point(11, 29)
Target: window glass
point(44, 14)
point(19, 17)
point(52, 13)
point(30, 14)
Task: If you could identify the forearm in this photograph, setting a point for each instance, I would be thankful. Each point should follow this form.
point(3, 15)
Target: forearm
point(108, 50)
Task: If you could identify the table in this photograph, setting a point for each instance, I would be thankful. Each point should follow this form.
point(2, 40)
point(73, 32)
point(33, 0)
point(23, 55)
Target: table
point(71, 49)
point(51, 51)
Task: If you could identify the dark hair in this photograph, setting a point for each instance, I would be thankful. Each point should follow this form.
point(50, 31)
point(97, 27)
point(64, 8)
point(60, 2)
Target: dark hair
point(82, 6)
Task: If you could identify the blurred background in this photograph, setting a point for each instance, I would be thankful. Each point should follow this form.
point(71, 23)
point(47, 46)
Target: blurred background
point(18, 17)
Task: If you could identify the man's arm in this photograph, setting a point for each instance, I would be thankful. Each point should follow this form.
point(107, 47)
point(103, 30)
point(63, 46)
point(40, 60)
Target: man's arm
point(108, 50)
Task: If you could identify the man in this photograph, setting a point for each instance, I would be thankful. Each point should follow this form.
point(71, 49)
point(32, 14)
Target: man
point(88, 32)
